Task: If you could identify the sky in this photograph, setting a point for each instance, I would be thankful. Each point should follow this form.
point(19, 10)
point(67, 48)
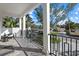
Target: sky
point(34, 16)
point(73, 15)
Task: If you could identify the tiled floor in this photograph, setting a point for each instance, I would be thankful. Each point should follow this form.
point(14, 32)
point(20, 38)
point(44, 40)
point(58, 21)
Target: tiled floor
point(10, 52)
point(31, 45)
point(25, 47)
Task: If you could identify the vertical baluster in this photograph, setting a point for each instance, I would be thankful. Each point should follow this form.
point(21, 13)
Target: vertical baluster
point(64, 49)
point(57, 49)
point(50, 44)
point(70, 46)
point(76, 47)
point(68, 49)
point(66, 39)
point(59, 45)
point(53, 44)
point(62, 45)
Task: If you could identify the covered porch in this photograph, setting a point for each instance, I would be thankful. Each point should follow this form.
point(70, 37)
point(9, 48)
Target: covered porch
point(20, 45)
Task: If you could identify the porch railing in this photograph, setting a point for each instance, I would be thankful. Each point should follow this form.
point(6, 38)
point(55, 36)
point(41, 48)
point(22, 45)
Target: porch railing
point(63, 45)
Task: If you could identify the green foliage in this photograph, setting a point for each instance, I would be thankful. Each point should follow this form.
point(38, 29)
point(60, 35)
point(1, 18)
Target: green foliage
point(29, 22)
point(39, 14)
point(9, 22)
point(71, 25)
point(59, 13)
point(55, 40)
point(67, 32)
point(54, 33)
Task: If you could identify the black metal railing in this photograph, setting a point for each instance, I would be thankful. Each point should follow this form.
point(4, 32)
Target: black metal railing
point(64, 45)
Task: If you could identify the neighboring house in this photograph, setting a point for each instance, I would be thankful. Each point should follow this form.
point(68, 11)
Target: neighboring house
point(75, 32)
point(60, 29)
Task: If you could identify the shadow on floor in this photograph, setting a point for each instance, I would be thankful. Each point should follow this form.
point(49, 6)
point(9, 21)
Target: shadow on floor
point(21, 48)
point(5, 52)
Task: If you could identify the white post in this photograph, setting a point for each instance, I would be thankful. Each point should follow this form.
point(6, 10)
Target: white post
point(46, 29)
point(24, 25)
point(20, 24)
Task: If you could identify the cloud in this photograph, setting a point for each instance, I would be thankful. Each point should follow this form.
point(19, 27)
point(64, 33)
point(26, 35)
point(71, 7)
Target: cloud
point(76, 13)
point(62, 22)
point(76, 18)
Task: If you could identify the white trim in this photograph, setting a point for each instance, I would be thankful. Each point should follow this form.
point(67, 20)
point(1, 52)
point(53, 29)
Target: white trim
point(20, 24)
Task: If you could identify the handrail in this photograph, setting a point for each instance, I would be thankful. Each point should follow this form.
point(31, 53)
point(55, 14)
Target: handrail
point(73, 37)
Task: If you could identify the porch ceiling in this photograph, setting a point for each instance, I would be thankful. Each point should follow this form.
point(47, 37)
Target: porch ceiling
point(15, 9)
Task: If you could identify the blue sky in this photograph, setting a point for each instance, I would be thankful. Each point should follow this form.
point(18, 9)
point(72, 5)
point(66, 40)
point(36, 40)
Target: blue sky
point(34, 16)
point(73, 14)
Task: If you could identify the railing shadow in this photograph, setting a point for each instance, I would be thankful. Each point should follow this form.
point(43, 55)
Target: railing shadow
point(21, 48)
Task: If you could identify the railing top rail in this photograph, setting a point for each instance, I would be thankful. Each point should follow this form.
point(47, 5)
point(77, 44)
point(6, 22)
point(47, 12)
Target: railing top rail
point(72, 37)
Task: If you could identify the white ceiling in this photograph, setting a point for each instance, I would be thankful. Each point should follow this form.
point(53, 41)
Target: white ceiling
point(16, 9)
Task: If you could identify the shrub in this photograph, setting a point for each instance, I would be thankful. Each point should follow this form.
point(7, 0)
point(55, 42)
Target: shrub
point(54, 33)
point(67, 32)
point(55, 40)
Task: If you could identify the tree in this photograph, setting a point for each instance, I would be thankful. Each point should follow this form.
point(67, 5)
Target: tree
point(9, 22)
point(39, 14)
point(59, 12)
point(70, 25)
point(29, 22)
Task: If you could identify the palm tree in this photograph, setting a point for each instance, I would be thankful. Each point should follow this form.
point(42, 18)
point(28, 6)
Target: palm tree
point(9, 22)
point(29, 22)
point(39, 14)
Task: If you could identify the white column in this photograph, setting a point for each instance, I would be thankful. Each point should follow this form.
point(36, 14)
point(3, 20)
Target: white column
point(24, 25)
point(1, 29)
point(46, 29)
point(20, 24)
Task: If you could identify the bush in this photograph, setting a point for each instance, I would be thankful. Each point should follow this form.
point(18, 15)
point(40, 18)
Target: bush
point(55, 40)
point(54, 33)
point(67, 32)
point(55, 30)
